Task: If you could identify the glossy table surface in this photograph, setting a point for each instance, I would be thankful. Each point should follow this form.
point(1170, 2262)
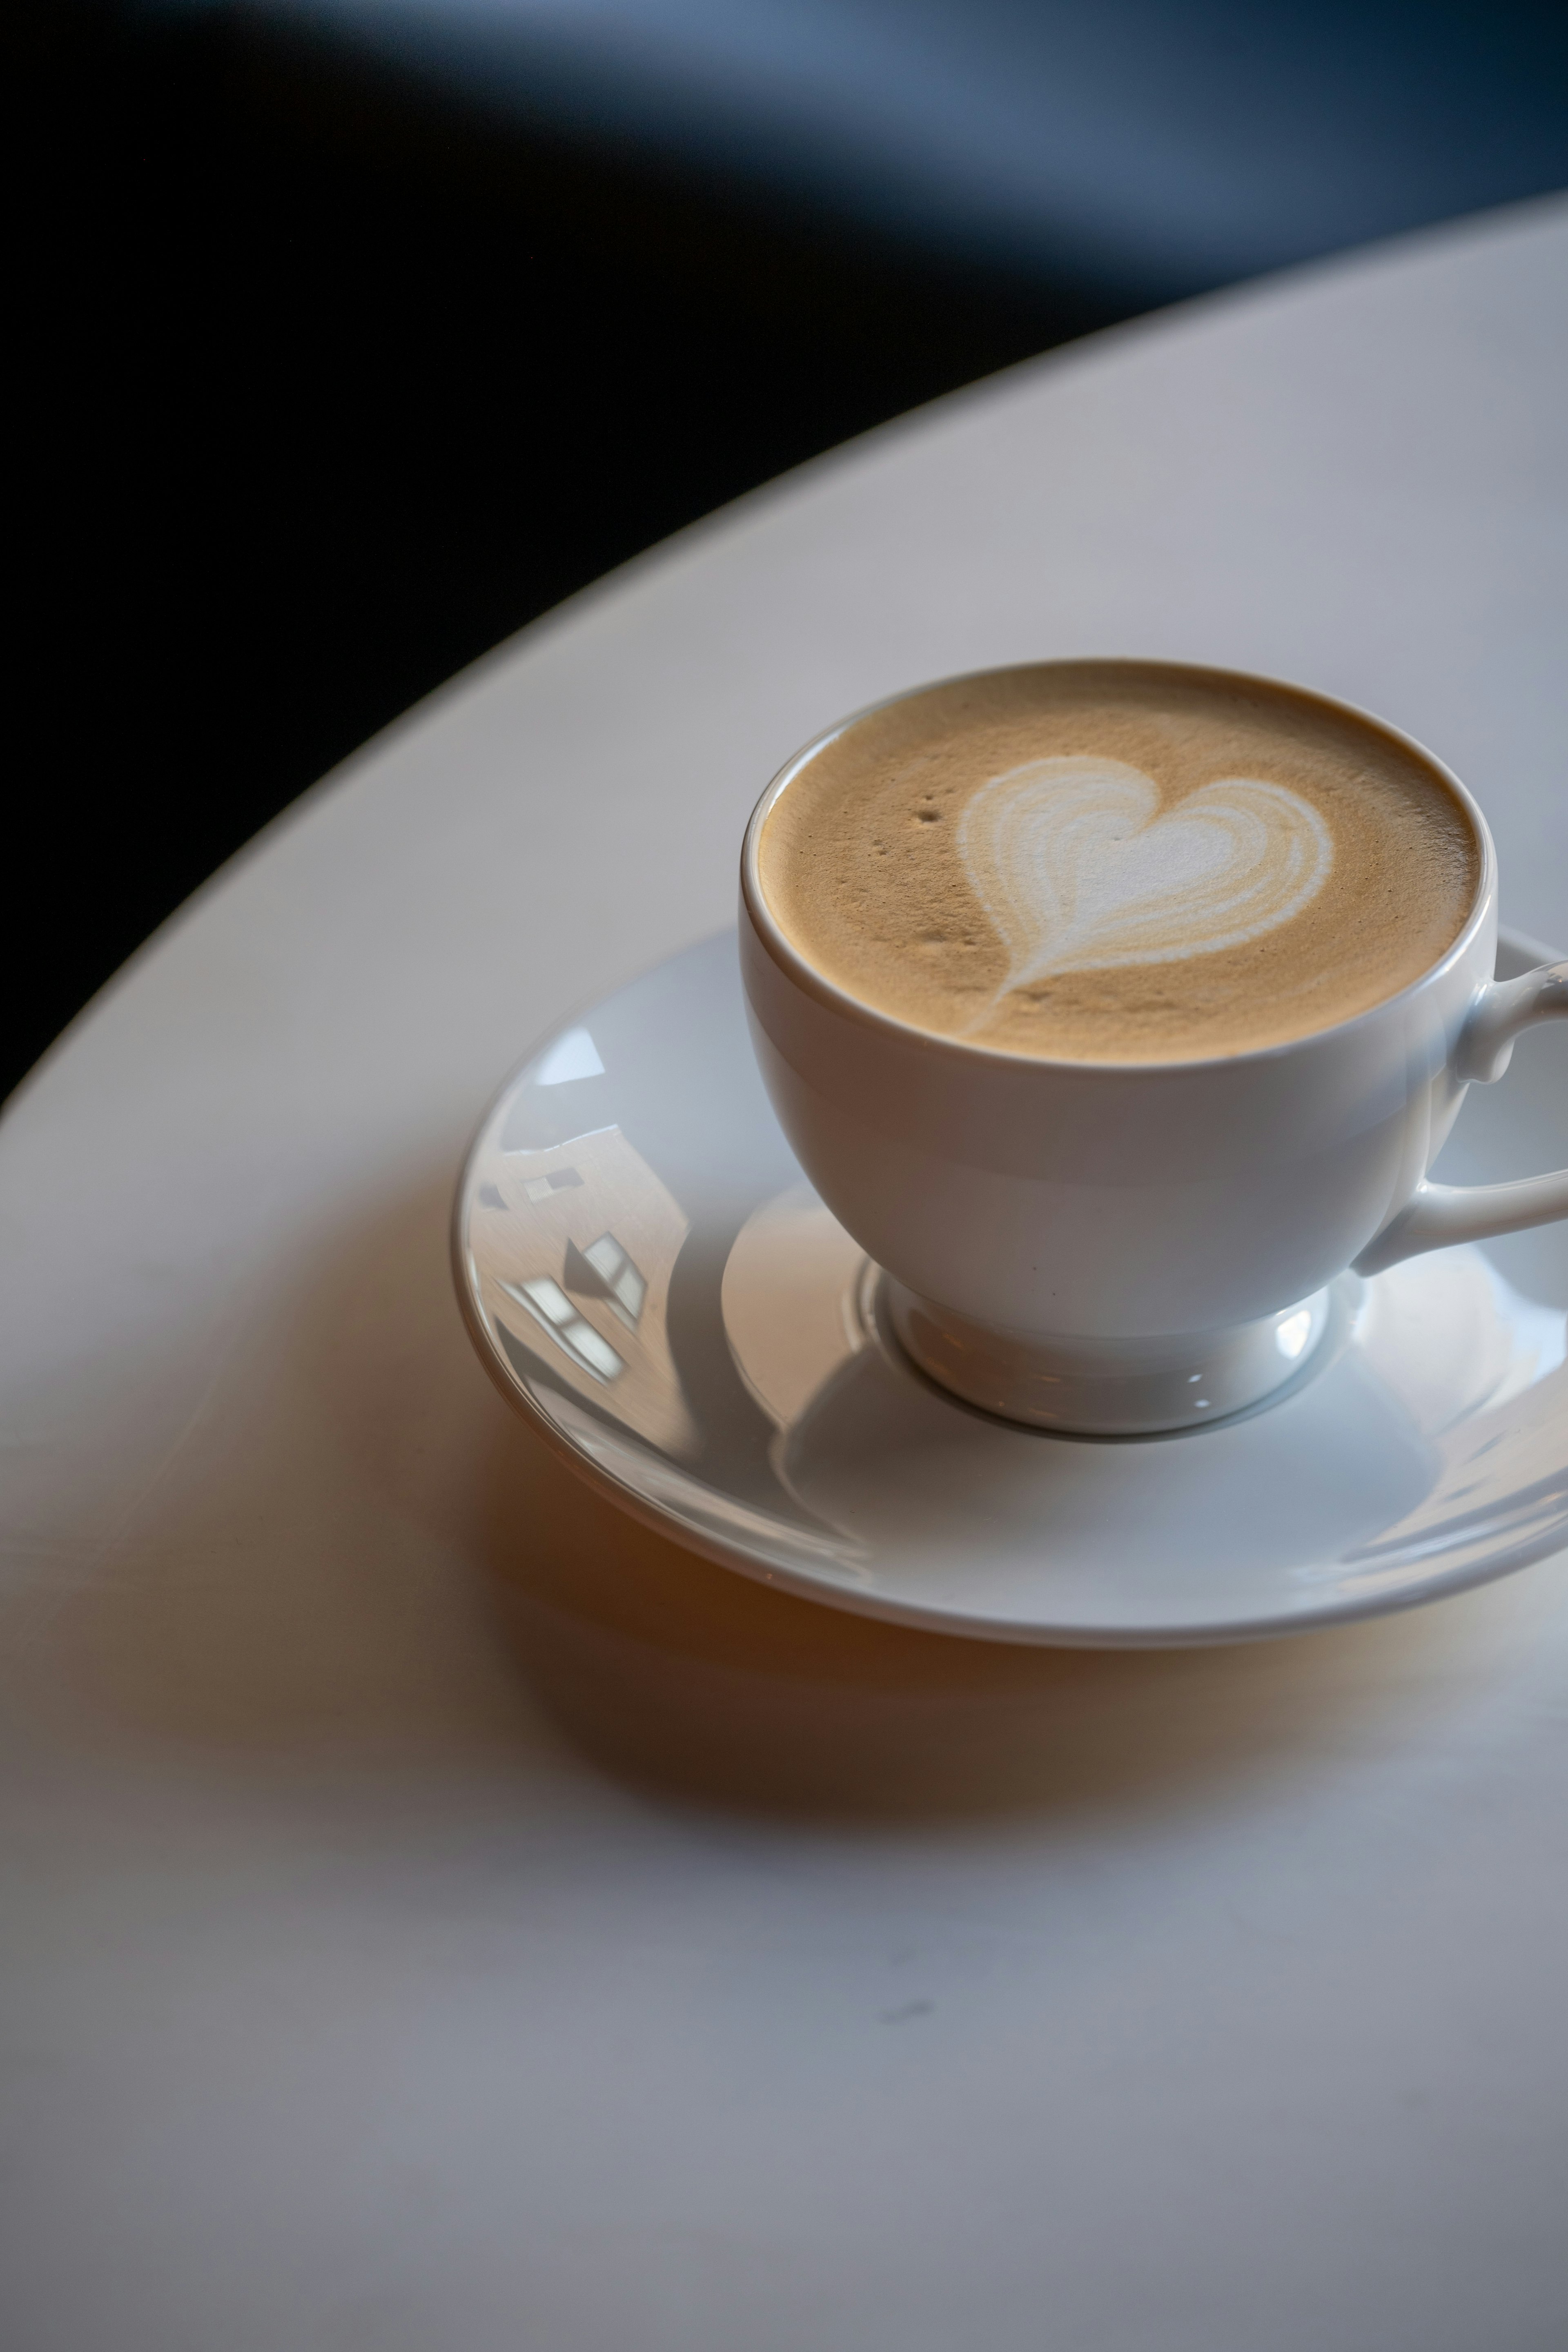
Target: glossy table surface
point(435, 1911)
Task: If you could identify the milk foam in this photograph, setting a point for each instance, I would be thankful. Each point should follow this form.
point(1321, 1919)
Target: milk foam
point(1079, 871)
point(1118, 861)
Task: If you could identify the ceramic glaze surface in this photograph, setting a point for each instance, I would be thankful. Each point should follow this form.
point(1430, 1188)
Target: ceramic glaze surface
point(646, 1271)
point(1087, 1244)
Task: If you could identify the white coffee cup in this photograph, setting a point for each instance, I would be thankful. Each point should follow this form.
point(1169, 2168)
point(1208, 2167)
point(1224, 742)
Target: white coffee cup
point(1119, 1247)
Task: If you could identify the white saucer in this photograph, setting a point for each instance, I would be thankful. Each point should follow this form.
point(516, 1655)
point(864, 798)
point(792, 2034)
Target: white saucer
point(646, 1273)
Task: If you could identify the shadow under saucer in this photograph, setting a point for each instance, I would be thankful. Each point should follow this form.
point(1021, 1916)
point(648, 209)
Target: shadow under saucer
point(679, 1676)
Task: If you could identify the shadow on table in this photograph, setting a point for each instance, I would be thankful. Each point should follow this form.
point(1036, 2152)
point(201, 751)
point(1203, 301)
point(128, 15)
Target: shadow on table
point(351, 1545)
point(680, 1675)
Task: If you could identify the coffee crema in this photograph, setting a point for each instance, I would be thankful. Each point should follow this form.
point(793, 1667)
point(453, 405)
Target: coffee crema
point(1118, 861)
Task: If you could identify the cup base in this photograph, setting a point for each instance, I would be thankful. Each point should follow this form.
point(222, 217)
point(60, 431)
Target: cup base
point(1107, 1388)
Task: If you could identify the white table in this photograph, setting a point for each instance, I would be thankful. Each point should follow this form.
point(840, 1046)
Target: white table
point(438, 1915)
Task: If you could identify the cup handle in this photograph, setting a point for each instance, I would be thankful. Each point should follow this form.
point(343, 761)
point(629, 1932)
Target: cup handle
point(1440, 1213)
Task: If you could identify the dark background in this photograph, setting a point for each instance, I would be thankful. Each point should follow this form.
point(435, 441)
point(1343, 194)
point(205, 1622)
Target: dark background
point(342, 358)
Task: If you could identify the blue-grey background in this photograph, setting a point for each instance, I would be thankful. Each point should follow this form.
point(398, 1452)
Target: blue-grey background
point(1145, 148)
point(353, 333)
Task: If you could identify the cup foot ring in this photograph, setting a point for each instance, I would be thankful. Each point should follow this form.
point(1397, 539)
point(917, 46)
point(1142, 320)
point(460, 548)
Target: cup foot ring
point(1107, 1388)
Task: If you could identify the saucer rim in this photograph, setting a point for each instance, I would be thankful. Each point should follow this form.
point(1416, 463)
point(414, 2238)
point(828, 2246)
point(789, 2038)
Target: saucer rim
point(913, 1616)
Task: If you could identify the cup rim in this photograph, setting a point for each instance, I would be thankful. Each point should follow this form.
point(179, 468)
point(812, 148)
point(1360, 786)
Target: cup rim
point(797, 968)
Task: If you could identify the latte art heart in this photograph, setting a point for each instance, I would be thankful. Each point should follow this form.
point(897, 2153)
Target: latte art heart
point(1081, 862)
point(1079, 869)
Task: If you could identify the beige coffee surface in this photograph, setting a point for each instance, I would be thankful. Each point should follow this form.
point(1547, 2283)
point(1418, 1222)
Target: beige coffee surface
point(1106, 862)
